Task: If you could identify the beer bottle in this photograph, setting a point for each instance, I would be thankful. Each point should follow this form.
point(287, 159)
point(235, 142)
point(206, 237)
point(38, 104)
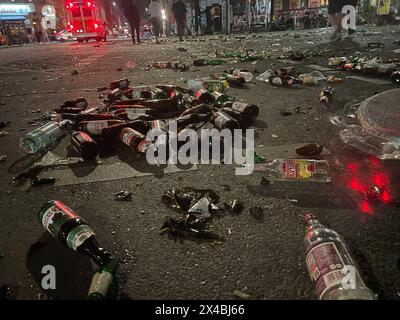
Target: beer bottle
point(205, 96)
point(135, 113)
point(221, 98)
point(158, 93)
point(95, 127)
point(250, 111)
point(244, 121)
point(102, 281)
point(84, 145)
point(111, 133)
point(235, 81)
point(161, 65)
point(89, 116)
point(201, 108)
point(223, 121)
point(184, 121)
point(114, 94)
point(120, 84)
point(79, 102)
point(68, 228)
point(136, 141)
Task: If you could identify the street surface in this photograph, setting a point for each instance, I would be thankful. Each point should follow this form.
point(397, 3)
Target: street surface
point(265, 260)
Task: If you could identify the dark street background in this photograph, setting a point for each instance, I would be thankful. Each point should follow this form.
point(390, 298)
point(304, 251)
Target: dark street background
point(265, 260)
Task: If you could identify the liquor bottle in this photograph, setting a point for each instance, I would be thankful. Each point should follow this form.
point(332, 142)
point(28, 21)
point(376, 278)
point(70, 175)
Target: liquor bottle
point(68, 228)
point(84, 145)
point(205, 96)
point(102, 281)
point(306, 170)
point(223, 121)
point(111, 133)
point(120, 84)
point(331, 266)
point(395, 77)
point(221, 98)
point(201, 108)
point(250, 111)
point(44, 136)
point(95, 127)
point(246, 75)
point(136, 141)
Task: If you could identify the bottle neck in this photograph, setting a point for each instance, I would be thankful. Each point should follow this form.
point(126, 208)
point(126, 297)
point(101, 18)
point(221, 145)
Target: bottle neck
point(92, 249)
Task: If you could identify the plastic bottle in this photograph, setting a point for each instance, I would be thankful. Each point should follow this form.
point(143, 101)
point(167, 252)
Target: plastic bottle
point(362, 140)
point(44, 136)
point(248, 76)
point(306, 170)
point(331, 266)
point(266, 75)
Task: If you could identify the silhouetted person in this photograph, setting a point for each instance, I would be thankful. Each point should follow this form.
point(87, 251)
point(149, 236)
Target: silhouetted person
point(132, 15)
point(179, 11)
point(155, 11)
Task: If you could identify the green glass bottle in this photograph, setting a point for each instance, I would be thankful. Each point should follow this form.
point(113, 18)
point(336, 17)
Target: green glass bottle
point(215, 62)
point(68, 228)
point(102, 281)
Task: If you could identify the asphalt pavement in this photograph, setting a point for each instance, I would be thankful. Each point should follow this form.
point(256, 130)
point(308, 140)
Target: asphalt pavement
point(263, 259)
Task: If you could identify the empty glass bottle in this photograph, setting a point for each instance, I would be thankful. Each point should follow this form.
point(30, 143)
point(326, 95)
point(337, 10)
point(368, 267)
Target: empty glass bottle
point(330, 265)
point(306, 170)
point(44, 136)
point(102, 281)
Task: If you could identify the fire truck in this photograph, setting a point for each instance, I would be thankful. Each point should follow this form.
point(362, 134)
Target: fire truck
point(82, 21)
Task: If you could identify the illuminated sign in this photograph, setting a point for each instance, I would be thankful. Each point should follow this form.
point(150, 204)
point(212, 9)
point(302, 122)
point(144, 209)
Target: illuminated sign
point(16, 9)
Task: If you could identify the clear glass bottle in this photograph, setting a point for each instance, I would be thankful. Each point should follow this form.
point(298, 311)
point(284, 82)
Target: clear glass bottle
point(307, 170)
point(331, 266)
point(42, 137)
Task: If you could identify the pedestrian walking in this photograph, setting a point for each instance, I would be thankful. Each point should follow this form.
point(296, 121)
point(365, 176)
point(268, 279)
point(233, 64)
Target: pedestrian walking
point(179, 12)
point(216, 14)
point(335, 18)
point(132, 15)
point(155, 11)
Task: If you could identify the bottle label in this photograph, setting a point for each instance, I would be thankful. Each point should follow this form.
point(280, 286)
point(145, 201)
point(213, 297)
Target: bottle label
point(101, 281)
point(129, 137)
point(296, 170)
point(143, 146)
point(133, 114)
point(95, 127)
point(55, 216)
point(325, 265)
point(79, 235)
point(219, 122)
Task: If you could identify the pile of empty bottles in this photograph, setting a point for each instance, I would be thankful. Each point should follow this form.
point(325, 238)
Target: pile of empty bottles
point(128, 113)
